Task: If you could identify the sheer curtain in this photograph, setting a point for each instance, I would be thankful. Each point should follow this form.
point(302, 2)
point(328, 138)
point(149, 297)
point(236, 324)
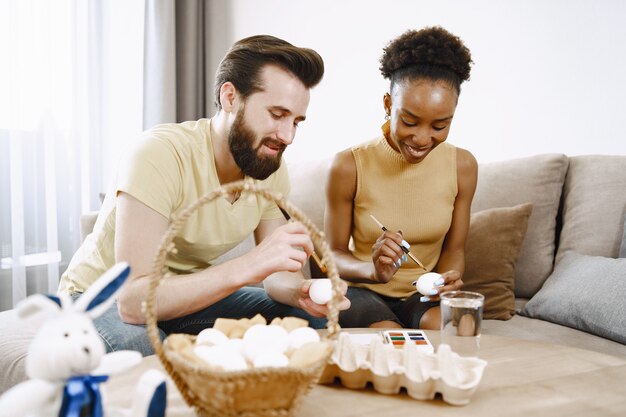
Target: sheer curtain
point(55, 103)
point(41, 127)
point(75, 90)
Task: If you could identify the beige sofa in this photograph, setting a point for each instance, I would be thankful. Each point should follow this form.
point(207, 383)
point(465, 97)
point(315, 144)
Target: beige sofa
point(579, 204)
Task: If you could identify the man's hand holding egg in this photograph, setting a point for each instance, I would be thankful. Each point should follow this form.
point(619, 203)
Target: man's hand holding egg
point(316, 293)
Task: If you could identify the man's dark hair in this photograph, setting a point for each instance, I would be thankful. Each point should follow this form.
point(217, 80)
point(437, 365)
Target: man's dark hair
point(245, 59)
point(432, 53)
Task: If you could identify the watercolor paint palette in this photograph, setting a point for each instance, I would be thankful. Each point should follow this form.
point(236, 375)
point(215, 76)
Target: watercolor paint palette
point(398, 338)
point(359, 361)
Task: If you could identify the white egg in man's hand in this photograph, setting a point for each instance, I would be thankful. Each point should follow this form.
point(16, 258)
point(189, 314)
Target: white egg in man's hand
point(321, 291)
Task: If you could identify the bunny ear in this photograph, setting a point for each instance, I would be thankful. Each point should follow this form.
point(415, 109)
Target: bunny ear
point(36, 303)
point(56, 299)
point(101, 294)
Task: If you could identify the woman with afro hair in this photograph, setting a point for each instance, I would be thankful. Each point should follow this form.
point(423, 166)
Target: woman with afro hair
point(409, 179)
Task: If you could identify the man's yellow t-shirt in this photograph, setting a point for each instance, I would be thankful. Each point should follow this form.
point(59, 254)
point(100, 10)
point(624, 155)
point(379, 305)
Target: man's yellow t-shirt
point(170, 168)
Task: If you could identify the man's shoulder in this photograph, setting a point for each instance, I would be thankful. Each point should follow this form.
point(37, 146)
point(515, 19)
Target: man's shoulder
point(186, 139)
point(181, 134)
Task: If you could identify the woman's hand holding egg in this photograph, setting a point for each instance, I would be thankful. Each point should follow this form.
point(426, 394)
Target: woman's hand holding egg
point(427, 285)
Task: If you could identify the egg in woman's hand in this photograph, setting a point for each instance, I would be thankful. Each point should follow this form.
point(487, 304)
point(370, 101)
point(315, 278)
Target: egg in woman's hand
point(211, 337)
point(321, 291)
point(221, 356)
point(260, 338)
point(426, 283)
point(301, 336)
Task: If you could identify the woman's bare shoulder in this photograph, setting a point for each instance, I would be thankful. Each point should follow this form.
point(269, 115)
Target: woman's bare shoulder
point(465, 161)
point(343, 163)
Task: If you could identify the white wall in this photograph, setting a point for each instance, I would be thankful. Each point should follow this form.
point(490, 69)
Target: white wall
point(548, 74)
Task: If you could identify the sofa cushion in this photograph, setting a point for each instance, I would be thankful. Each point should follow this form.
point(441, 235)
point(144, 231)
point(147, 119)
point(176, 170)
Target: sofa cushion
point(308, 193)
point(308, 188)
point(594, 204)
point(493, 243)
point(537, 180)
point(87, 223)
point(15, 337)
point(622, 251)
point(586, 293)
point(521, 327)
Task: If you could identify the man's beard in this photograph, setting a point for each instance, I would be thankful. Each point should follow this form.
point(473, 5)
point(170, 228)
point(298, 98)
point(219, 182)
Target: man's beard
point(240, 141)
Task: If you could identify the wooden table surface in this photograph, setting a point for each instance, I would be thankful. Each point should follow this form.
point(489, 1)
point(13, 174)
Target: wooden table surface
point(522, 378)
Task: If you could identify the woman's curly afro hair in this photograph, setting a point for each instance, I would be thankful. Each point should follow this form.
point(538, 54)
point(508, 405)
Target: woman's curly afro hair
point(432, 53)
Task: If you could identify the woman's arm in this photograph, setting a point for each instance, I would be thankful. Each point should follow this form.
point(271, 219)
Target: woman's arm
point(338, 218)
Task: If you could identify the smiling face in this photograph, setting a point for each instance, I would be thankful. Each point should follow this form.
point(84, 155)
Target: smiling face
point(421, 114)
point(266, 122)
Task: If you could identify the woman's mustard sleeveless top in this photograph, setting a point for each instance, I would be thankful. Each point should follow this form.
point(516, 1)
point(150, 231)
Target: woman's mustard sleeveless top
point(415, 198)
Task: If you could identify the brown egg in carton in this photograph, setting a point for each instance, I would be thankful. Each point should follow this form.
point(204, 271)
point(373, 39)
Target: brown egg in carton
point(229, 346)
point(421, 373)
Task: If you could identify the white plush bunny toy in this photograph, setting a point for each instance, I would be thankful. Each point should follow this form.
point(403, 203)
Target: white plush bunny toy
point(66, 360)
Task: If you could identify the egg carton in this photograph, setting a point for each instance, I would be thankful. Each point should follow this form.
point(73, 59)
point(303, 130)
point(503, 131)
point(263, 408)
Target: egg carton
point(422, 374)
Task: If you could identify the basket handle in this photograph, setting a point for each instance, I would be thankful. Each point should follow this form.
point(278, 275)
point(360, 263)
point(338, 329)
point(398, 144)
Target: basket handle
point(159, 269)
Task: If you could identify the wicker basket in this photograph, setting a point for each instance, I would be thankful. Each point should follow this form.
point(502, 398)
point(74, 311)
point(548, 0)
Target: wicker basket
point(253, 392)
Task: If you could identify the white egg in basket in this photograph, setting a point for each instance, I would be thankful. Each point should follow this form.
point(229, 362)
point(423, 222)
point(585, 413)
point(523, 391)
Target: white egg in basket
point(270, 359)
point(261, 338)
point(221, 356)
point(211, 337)
point(236, 345)
point(301, 336)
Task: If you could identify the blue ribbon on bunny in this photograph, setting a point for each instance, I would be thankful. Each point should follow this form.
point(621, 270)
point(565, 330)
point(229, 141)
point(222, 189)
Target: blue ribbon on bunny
point(66, 361)
point(80, 392)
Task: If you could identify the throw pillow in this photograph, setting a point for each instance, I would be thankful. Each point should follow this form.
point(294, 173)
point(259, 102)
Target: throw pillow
point(493, 244)
point(538, 180)
point(586, 293)
point(593, 206)
point(622, 251)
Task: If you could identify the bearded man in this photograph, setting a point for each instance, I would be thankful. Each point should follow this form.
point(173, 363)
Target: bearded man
point(262, 94)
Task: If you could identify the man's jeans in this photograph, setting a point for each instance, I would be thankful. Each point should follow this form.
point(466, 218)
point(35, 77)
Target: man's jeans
point(245, 303)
